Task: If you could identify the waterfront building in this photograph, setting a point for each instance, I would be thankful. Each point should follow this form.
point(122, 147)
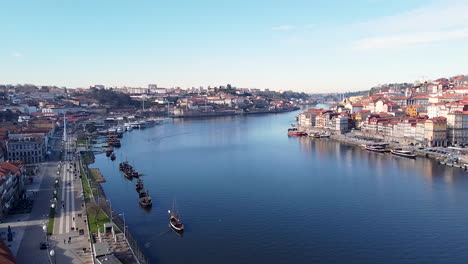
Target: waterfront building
point(29, 148)
point(308, 119)
point(360, 117)
point(420, 129)
point(340, 123)
point(457, 126)
point(435, 132)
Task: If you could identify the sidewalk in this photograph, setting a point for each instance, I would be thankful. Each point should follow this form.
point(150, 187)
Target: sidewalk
point(29, 233)
point(70, 245)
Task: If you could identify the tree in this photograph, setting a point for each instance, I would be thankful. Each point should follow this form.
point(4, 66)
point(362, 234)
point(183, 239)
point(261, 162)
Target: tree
point(93, 210)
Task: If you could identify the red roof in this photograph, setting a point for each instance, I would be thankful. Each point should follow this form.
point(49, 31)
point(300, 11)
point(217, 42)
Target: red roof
point(9, 167)
point(6, 257)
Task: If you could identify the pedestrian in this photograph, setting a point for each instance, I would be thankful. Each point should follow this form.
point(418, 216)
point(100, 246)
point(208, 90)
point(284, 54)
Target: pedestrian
point(64, 241)
point(73, 219)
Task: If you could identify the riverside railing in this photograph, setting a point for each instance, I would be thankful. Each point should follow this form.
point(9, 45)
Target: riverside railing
point(103, 202)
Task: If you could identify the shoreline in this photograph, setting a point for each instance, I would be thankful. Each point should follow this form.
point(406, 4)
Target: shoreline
point(231, 113)
point(420, 153)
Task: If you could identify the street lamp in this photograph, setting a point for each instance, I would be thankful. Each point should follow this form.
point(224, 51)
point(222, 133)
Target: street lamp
point(123, 215)
point(110, 207)
point(52, 254)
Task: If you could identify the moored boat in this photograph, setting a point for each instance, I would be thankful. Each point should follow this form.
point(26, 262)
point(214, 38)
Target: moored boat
point(314, 135)
point(109, 151)
point(325, 135)
point(376, 148)
point(144, 198)
point(294, 132)
point(139, 185)
point(146, 201)
point(403, 153)
point(112, 157)
point(174, 219)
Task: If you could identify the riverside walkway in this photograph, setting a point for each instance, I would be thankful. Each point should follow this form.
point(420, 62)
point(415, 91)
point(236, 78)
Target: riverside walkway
point(70, 239)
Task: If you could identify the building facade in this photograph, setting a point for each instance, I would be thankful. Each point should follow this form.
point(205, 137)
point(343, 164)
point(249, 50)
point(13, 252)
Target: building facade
point(26, 148)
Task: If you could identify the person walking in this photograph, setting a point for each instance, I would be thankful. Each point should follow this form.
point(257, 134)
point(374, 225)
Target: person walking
point(64, 241)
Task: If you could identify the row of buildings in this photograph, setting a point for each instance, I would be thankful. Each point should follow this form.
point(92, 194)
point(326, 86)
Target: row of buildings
point(428, 114)
point(12, 177)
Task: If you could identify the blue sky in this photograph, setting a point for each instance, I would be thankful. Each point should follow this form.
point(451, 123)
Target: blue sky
point(311, 46)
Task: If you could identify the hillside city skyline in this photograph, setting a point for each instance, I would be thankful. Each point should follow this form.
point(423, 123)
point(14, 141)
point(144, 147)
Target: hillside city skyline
point(301, 46)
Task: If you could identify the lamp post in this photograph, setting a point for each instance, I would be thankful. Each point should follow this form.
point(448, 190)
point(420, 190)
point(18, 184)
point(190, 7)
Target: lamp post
point(110, 208)
point(52, 254)
point(44, 228)
point(123, 215)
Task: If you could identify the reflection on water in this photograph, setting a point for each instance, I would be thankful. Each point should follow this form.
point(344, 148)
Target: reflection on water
point(248, 193)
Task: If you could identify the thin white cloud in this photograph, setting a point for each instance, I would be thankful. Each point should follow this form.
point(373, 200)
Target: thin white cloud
point(284, 27)
point(16, 54)
point(405, 39)
point(432, 23)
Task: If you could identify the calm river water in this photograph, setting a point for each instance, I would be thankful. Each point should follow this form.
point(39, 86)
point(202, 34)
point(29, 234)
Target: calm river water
point(248, 193)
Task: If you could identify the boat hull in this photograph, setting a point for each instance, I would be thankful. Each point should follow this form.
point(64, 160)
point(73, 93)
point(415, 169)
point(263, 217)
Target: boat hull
point(377, 150)
point(178, 229)
point(297, 134)
point(409, 156)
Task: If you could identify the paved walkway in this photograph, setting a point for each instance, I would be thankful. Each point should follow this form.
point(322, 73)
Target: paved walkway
point(28, 228)
point(71, 246)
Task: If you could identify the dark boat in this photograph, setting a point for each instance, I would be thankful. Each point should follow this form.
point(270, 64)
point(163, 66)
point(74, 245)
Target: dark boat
point(174, 219)
point(109, 151)
point(114, 142)
point(112, 157)
point(144, 199)
point(123, 166)
point(139, 185)
point(377, 148)
point(403, 153)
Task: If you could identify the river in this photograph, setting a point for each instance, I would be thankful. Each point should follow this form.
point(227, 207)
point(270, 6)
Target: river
point(248, 193)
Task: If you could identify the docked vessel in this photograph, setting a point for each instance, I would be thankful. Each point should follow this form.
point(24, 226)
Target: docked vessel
point(325, 135)
point(112, 157)
point(139, 185)
point(114, 142)
point(403, 153)
point(109, 151)
point(314, 135)
point(128, 170)
point(144, 199)
point(376, 148)
point(174, 219)
point(294, 132)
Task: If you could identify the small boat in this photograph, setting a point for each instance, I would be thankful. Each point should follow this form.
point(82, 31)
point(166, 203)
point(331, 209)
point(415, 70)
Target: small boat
point(326, 135)
point(174, 219)
point(139, 185)
point(294, 132)
point(403, 153)
point(114, 142)
point(123, 166)
point(314, 135)
point(112, 157)
point(144, 199)
point(376, 148)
